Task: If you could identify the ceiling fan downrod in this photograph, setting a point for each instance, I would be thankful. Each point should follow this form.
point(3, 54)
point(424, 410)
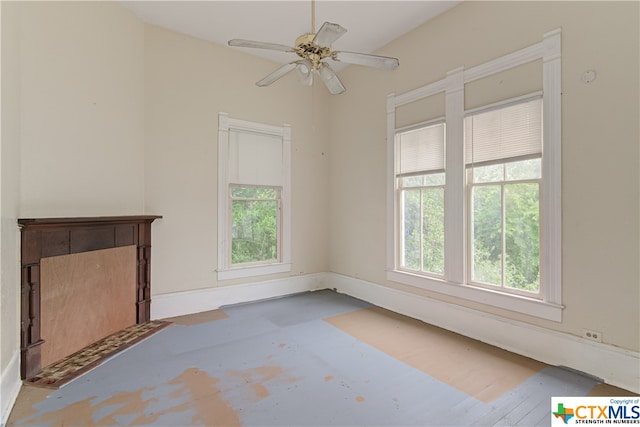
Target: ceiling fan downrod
point(313, 16)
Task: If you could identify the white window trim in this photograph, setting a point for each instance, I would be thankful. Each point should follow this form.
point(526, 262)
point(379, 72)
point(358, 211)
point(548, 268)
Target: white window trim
point(225, 271)
point(550, 305)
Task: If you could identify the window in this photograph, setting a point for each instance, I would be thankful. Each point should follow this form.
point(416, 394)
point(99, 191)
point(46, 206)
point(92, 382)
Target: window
point(420, 180)
point(503, 159)
point(475, 212)
point(253, 198)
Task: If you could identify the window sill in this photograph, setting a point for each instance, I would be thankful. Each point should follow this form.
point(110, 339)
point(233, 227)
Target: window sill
point(254, 270)
point(517, 303)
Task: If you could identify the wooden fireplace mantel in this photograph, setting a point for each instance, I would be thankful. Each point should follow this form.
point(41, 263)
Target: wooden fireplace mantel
point(47, 237)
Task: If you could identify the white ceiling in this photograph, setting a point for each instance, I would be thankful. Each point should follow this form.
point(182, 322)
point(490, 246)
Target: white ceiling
point(370, 24)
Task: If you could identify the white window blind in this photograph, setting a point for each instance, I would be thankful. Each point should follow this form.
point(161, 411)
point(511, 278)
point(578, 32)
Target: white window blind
point(508, 133)
point(421, 150)
point(255, 158)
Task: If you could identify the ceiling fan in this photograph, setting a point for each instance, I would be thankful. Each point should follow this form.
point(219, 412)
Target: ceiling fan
point(313, 48)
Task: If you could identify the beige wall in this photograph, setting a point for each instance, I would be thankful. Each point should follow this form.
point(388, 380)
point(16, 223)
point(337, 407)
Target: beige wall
point(187, 83)
point(82, 103)
point(9, 189)
point(600, 149)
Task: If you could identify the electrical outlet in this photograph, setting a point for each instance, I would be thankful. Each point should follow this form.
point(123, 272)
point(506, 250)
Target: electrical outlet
point(592, 335)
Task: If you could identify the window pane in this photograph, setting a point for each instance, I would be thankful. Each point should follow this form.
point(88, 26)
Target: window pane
point(254, 231)
point(411, 229)
point(433, 230)
point(522, 238)
point(411, 181)
point(487, 234)
point(434, 179)
point(254, 192)
point(526, 169)
point(427, 180)
point(491, 173)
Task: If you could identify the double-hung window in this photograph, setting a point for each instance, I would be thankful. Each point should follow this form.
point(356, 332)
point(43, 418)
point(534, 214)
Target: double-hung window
point(503, 161)
point(420, 178)
point(254, 175)
point(475, 211)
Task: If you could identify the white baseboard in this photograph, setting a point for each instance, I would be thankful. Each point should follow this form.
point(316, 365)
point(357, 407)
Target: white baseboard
point(181, 303)
point(614, 365)
point(9, 387)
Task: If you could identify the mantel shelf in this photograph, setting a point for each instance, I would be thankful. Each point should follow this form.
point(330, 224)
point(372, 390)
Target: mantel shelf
point(44, 222)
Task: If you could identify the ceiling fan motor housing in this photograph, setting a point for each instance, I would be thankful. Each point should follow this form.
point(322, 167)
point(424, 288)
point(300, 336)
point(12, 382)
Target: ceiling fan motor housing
point(307, 49)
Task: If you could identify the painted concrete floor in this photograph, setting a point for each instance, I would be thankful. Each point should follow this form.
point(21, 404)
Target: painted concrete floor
point(313, 359)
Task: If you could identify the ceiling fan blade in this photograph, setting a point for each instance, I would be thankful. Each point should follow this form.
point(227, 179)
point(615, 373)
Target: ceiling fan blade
point(330, 79)
point(328, 34)
point(280, 72)
point(385, 62)
point(260, 45)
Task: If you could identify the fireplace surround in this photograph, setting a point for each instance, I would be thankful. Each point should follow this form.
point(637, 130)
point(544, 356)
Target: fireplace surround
point(51, 237)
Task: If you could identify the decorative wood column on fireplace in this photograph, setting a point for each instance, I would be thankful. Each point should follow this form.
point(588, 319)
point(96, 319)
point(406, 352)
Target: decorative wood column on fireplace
point(47, 237)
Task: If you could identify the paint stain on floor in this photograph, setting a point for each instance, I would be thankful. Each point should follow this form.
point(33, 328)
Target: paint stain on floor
point(127, 404)
point(76, 414)
point(258, 379)
point(203, 398)
point(480, 370)
point(198, 318)
point(28, 397)
point(207, 399)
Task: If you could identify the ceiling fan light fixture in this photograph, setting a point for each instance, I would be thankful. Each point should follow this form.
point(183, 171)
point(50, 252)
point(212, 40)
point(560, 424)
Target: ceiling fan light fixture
point(305, 72)
point(330, 79)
